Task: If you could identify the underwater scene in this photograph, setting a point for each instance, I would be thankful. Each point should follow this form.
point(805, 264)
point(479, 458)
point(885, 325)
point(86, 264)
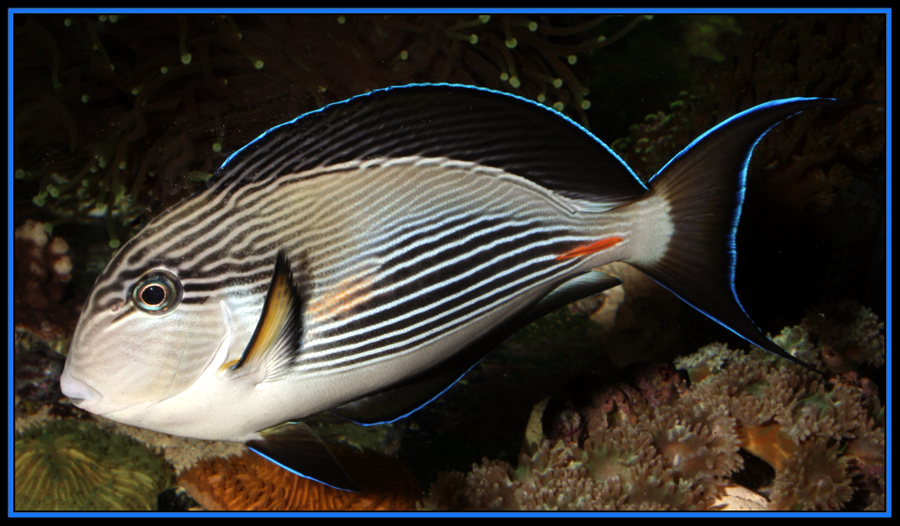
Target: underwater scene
point(617, 396)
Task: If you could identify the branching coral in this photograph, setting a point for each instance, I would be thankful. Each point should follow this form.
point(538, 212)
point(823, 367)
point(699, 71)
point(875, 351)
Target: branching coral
point(250, 482)
point(656, 442)
point(43, 311)
point(74, 466)
point(42, 265)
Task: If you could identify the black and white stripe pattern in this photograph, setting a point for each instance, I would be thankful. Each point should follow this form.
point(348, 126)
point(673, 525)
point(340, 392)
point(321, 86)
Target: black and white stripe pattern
point(416, 212)
point(399, 251)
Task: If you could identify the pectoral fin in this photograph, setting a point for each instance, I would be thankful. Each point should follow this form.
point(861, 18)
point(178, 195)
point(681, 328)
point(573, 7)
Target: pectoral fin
point(296, 448)
point(276, 340)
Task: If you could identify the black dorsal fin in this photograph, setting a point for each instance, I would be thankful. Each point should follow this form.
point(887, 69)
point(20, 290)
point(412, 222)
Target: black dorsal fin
point(441, 120)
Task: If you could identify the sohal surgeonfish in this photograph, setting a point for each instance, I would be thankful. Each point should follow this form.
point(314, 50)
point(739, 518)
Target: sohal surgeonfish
point(364, 256)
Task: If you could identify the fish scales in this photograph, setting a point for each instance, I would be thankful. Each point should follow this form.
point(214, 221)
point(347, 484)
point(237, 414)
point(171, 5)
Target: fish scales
point(363, 257)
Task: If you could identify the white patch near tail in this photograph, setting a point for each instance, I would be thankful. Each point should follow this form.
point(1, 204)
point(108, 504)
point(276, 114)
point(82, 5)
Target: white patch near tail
point(651, 231)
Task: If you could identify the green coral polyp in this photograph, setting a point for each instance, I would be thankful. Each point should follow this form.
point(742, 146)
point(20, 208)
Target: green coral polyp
point(75, 466)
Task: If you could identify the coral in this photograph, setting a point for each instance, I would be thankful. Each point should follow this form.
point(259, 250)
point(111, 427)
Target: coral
point(808, 162)
point(43, 266)
point(824, 437)
point(44, 315)
point(182, 453)
point(36, 371)
point(91, 90)
point(805, 161)
point(250, 482)
point(701, 32)
point(653, 142)
point(74, 466)
point(42, 305)
point(816, 478)
point(121, 116)
point(638, 452)
point(847, 334)
point(657, 441)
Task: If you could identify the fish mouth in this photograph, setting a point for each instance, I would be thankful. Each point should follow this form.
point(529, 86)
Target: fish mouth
point(86, 398)
point(80, 393)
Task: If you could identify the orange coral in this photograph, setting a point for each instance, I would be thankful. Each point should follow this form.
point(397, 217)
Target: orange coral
point(250, 482)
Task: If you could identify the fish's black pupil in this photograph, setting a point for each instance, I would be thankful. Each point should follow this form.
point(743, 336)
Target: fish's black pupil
point(153, 295)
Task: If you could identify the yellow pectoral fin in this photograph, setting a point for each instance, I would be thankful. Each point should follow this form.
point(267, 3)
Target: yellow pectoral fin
point(276, 341)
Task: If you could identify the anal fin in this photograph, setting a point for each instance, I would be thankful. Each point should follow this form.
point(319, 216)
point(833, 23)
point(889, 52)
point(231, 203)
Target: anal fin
point(295, 447)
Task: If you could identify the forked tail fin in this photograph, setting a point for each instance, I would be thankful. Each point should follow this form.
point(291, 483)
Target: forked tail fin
point(703, 187)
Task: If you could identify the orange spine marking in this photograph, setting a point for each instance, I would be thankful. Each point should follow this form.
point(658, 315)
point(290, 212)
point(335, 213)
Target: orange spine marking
point(352, 292)
point(597, 246)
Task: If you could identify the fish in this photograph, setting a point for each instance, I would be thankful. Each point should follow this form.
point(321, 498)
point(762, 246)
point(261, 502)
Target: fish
point(363, 257)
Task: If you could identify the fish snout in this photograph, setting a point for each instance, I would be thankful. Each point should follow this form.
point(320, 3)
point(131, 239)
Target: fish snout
point(80, 393)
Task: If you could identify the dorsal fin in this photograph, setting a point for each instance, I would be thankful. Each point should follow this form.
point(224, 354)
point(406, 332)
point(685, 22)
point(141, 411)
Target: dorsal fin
point(441, 121)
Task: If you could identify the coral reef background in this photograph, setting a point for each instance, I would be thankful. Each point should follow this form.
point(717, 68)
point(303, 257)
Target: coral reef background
point(251, 483)
point(118, 117)
point(76, 466)
point(661, 440)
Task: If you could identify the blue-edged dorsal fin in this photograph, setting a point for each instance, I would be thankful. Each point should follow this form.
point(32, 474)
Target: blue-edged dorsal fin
point(703, 188)
point(404, 398)
point(450, 121)
point(275, 344)
point(295, 447)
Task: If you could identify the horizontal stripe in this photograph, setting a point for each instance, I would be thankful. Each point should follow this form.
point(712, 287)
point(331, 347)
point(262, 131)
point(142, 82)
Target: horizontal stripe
point(400, 252)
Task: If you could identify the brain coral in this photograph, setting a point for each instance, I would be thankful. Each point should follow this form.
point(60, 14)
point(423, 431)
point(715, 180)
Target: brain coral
point(250, 482)
point(74, 466)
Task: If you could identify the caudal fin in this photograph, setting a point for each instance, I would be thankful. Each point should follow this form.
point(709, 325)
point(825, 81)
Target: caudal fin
point(703, 187)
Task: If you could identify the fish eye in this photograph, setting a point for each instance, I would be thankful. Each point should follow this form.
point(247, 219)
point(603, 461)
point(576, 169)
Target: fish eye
point(157, 292)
